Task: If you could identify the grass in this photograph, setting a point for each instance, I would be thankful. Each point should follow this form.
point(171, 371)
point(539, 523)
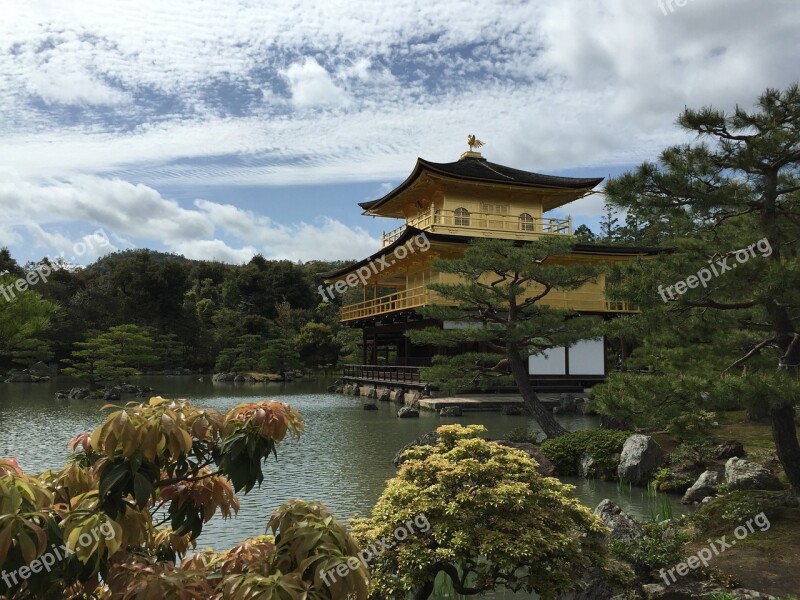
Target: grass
point(735, 426)
point(764, 560)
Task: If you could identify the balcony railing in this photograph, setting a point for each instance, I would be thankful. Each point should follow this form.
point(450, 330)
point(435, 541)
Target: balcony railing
point(420, 296)
point(474, 221)
point(410, 298)
point(620, 306)
point(382, 373)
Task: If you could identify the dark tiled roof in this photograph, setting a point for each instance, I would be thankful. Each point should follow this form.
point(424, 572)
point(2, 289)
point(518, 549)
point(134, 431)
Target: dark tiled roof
point(480, 169)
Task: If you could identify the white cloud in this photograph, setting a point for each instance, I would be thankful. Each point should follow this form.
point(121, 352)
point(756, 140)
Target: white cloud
point(64, 83)
point(311, 85)
point(120, 208)
point(214, 250)
point(83, 250)
point(96, 94)
point(330, 239)
point(562, 84)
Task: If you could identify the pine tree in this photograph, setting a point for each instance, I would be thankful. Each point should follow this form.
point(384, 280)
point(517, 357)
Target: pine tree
point(500, 298)
point(726, 297)
point(112, 355)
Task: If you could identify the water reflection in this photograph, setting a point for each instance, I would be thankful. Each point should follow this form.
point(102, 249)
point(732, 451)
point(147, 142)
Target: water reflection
point(343, 459)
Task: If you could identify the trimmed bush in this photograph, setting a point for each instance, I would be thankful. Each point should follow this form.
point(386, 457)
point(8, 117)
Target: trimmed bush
point(603, 445)
point(658, 548)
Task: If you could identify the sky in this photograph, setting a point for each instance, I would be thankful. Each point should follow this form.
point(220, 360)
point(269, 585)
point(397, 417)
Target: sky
point(221, 130)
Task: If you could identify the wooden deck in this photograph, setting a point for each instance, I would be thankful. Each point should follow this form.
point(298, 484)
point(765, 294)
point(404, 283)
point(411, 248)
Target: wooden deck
point(484, 402)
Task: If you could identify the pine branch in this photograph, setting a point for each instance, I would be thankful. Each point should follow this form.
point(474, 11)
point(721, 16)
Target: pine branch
point(756, 349)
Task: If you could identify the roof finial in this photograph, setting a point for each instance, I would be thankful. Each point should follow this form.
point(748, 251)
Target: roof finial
point(473, 143)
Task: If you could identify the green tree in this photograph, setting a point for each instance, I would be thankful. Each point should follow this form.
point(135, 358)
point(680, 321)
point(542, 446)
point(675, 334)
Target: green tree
point(112, 355)
point(316, 344)
point(492, 522)
point(168, 350)
point(500, 300)
point(23, 319)
point(726, 297)
point(244, 356)
point(584, 234)
point(280, 357)
point(258, 287)
point(8, 265)
point(609, 224)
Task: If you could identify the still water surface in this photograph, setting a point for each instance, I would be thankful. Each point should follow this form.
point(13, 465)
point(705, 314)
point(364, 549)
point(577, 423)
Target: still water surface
point(342, 460)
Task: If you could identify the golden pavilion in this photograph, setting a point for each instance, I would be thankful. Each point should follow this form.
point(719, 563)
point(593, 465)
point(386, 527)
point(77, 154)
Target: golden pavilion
point(451, 204)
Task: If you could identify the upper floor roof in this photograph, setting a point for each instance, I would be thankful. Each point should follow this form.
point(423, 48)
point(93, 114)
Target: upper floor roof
point(473, 168)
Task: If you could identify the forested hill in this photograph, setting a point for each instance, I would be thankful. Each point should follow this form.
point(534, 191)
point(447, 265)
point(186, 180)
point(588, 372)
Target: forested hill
point(199, 314)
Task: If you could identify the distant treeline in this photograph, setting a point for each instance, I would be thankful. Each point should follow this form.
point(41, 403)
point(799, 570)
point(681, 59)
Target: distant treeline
point(265, 315)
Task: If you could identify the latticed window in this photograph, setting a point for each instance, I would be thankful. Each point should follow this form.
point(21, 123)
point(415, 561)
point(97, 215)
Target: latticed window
point(526, 222)
point(495, 208)
point(461, 217)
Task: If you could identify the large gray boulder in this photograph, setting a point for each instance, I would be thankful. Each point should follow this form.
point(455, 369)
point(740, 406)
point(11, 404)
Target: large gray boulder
point(706, 485)
point(641, 455)
point(587, 466)
point(621, 524)
point(595, 587)
point(742, 474)
point(20, 378)
point(426, 439)
point(40, 368)
point(112, 394)
point(450, 411)
point(729, 449)
point(223, 377)
point(407, 412)
point(78, 393)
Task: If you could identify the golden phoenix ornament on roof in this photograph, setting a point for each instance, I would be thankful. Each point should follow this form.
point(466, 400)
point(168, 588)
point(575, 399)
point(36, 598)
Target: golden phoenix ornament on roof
point(473, 142)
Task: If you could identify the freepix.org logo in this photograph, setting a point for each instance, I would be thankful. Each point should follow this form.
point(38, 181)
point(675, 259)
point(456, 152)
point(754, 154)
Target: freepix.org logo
point(48, 559)
point(98, 239)
point(716, 268)
point(422, 524)
point(373, 267)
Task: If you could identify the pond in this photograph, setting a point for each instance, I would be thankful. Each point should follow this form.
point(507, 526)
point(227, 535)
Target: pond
point(343, 459)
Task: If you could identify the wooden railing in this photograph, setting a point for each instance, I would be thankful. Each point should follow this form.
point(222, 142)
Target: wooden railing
point(410, 298)
point(382, 373)
point(421, 295)
point(421, 221)
point(620, 306)
point(432, 219)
